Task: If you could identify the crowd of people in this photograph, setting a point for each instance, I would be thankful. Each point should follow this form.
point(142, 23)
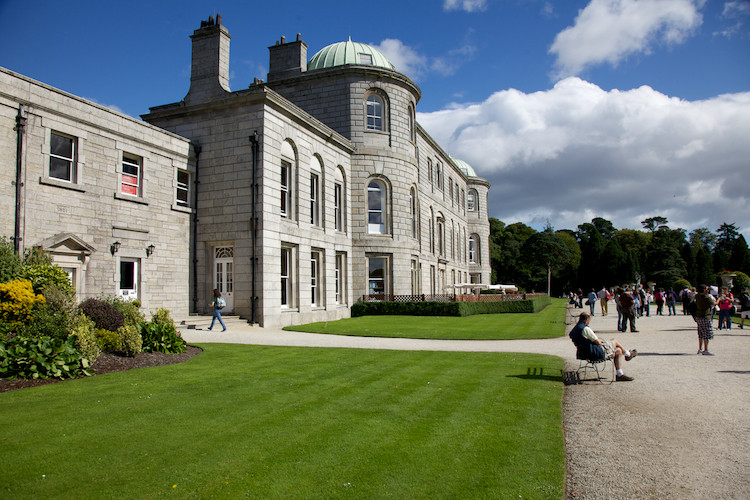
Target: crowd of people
point(704, 303)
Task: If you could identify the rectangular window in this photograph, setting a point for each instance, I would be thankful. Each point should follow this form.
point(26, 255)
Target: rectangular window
point(341, 278)
point(286, 189)
point(377, 275)
point(338, 206)
point(287, 280)
point(314, 200)
point(415, 288)
point(62, 161)
point(130, 178)
point(315, 279)
point(182, 193)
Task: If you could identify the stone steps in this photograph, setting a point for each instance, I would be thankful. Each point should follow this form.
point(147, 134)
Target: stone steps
point(203, 321)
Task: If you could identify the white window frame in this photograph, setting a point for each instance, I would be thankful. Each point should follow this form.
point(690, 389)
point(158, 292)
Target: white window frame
point(286, 189)
point(315, 199)
point(338, 206)
point(473, 249)
point(316, 278)
point(183, 187)
point(375, 113)
point(134, 291)
point(340, 278)
point(471, 203)
point(131, 162)
point(413, 211)
point(379, 210)
point(71, 161)
point(287, 273)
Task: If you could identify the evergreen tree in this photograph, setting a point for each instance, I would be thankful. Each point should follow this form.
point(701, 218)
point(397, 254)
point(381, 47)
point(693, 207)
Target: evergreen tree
point(740, 257)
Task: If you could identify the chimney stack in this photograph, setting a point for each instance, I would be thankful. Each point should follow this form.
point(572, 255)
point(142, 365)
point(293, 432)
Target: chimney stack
point(209, 74)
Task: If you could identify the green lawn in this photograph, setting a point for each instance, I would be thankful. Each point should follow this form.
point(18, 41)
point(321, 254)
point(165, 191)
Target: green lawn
point(281, 422)
point(550, 322)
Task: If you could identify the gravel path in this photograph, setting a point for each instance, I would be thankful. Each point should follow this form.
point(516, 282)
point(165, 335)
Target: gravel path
point(681, 430)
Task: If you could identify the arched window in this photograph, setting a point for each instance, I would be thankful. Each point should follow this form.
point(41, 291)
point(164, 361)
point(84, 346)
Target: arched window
point(473, 249)
point(375, 112)
point(412, 125)
point(472, 204)
point(413, 211)
point(376, 207)
point(288, 181)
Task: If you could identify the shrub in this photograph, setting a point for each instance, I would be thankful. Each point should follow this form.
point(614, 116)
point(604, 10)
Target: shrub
point(162, 317)
point(161, 337)
point(741, 283)
point(103, 314)
point(130, 310)
point(108, 341)
point(41, 358)
point(130, 336)
point(43, 277)
point(680, 285)
point(449, 308)
point(83, 336)
point(17, 301)
point(10, 263)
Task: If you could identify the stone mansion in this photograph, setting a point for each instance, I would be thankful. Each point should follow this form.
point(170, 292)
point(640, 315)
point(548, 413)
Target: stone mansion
point(295, 196)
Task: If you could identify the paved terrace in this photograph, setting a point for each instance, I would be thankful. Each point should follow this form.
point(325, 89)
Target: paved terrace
point(680, 430)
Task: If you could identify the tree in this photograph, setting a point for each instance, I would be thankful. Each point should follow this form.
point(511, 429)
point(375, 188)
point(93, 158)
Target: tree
point(740, 258)
point(702, 237)
point(654, 223)
point(593, 259)
point(605, 227)
point(664, 265)
point(567, 275)
point(545, 251)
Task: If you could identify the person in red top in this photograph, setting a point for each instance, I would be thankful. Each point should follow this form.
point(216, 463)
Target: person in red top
point(726, 300)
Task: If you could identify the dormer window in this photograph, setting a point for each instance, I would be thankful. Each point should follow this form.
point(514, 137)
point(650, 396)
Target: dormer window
point(365, 59)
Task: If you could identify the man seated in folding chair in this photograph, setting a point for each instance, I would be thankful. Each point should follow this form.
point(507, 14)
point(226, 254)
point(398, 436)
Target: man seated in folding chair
point(592, 348)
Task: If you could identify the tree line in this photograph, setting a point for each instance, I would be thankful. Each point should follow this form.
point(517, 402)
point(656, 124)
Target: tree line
point(598, 254)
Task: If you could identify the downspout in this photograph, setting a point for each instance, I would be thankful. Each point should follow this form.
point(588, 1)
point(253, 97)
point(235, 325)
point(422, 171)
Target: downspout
point(197, 149)
point(20, 130)
point(254, 222)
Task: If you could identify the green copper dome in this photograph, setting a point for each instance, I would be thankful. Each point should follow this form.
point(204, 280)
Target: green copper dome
point(465, 167)
point(339, 54)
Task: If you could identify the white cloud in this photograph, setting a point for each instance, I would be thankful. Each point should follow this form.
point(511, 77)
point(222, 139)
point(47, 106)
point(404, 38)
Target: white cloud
point(736, 12)
point(576, 150)
point(406, 59)
point(415, 65)
point(608, 31)
point(467, 5)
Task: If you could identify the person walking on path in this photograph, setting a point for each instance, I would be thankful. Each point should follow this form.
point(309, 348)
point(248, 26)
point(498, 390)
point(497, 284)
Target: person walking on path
point(671, 300)
point(604, 299)
point(591, 347)
point(704, 305)
point(218, 303)
point(627, 303)
point(591, 301)
point(659, 300)
point(744, 307)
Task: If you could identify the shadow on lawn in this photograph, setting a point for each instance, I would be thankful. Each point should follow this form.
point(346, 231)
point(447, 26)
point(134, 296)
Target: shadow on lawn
point(538, 374)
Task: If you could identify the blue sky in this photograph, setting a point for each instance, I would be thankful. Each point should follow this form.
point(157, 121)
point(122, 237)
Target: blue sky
point(574, 109)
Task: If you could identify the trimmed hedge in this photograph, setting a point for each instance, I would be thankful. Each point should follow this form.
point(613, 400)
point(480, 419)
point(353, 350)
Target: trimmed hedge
point(448, 308)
